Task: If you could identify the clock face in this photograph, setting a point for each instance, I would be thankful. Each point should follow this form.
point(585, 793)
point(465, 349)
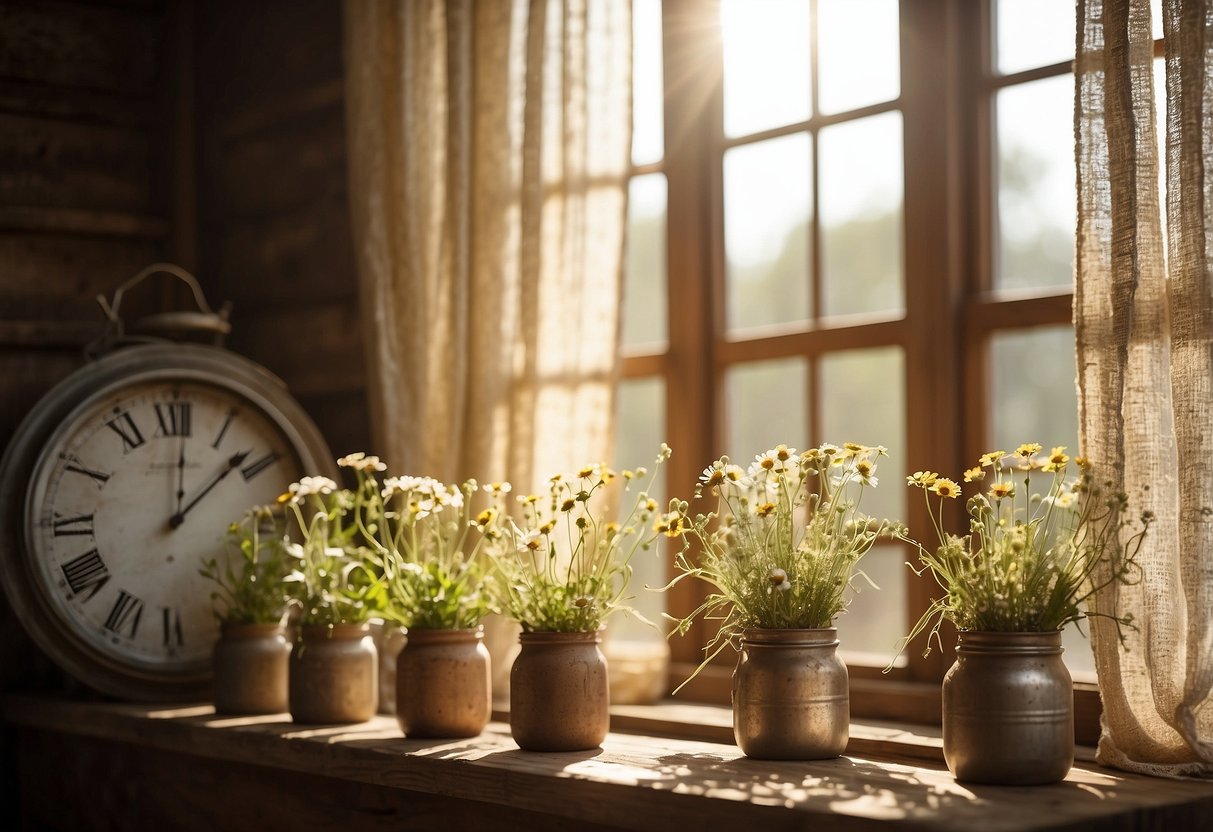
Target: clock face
point(134, 490)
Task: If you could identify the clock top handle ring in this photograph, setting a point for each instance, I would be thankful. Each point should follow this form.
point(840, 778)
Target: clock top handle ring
point(204, 319)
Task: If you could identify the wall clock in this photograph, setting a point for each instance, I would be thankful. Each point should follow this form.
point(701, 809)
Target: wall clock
point(121, 480)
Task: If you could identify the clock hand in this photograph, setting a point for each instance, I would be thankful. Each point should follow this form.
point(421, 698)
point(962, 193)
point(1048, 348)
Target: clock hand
point(179, 518)
point(180, 476)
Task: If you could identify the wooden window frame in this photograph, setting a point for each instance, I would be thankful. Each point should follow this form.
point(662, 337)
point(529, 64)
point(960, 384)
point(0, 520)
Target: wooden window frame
point(951, 311)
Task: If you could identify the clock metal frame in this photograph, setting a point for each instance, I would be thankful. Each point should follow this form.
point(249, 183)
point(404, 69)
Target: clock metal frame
point(30, 449)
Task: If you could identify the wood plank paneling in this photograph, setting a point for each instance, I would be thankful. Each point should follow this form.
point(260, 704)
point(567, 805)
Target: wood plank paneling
point(59, 277)
point(298, 162)
point(93, 47)
point(294, 257)
point(316, 350)
point(58, 163)
point(273, 209)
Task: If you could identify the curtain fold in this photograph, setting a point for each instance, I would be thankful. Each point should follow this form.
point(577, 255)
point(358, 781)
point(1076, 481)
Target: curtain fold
point(489, 148)
point(1143, 320)
point(489, 152)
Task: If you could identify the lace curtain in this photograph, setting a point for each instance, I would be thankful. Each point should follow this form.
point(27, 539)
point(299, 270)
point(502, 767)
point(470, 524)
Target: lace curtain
point(1143, 315)
point(489, 151)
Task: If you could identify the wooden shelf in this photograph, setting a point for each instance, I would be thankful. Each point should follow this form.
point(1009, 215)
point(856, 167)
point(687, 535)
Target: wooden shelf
point(635, 781)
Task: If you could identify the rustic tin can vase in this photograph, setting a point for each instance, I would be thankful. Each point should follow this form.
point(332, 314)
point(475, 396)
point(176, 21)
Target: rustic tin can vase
point(791, 699)
point(250, 669)
point(559, 696)
point(1008, 709)
point(334, 675)
point(443, 683)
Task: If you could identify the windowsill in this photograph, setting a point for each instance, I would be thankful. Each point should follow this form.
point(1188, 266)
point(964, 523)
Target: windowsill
point(640, 780)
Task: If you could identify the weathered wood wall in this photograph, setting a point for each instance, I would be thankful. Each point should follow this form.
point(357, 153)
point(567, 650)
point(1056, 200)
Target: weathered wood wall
point(88, 194)
point(274, 216)
point(208, 134)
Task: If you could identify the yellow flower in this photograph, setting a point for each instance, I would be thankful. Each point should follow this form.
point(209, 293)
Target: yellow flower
point(1001, 489)
point(485, 517)
point(765, 510)
point(547, 527)
point(973, 474)
point(1027, 451)
point(672, 524)
point(922, 479)
point(990, 458)
point(1057, 459)
point(945, 487)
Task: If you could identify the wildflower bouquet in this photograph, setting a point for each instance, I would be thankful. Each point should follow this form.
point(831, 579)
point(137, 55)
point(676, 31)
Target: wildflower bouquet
point(1032, 557)
point(419, 527)
point(781, 548)
point(563, 565)
point(336, 578)
point(249, 576)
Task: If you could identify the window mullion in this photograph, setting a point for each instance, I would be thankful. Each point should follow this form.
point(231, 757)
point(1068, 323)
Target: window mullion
point(931, 60)
point(693, 121)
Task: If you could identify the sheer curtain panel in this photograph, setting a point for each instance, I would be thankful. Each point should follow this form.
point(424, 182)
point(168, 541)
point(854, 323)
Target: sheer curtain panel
point(489, 148)
point(1143, 315)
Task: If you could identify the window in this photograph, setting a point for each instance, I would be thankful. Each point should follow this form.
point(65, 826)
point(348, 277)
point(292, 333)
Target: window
point(851, 220)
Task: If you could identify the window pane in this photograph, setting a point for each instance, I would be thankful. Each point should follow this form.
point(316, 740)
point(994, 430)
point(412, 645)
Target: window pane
point(644, 312)
point(640, 419)
point(766, 403)
point(1035, 400)
point(766, 64)
point(863, 400)
point(648, 134)
point(874, 620)
point(1032, 390)
point(861, 215)
point(859, 53)
point(766, 240)
point(1036, 184)
point(1032, 33)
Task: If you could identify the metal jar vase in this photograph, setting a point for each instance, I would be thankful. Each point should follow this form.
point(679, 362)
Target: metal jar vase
point(250, 669)
point(791, 699)
point(559, 699)
point(1008, 709)
point(443, 686)
point(334, 674)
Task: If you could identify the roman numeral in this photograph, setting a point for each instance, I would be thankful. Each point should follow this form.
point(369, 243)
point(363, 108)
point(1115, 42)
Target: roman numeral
point(123, 425)
point(80, 524)
point(231, 414)
point(125, 614)
point(173, 636)
point(88, 571)
point(77, 467)
point(257, 466)
point(173, 418)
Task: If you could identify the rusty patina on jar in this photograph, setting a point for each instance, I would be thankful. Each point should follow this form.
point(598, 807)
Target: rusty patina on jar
point(791, 699)
point(443, 686)
point(250, 670)
point(1008, 709)
point(334, 675)
point(559, 697)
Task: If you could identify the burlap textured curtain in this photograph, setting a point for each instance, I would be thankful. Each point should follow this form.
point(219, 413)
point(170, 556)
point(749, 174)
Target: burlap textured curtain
point(489, 146)
point(1143, 315)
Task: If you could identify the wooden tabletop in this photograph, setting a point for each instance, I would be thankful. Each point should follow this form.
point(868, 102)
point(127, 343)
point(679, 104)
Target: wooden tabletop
point(640, 781)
